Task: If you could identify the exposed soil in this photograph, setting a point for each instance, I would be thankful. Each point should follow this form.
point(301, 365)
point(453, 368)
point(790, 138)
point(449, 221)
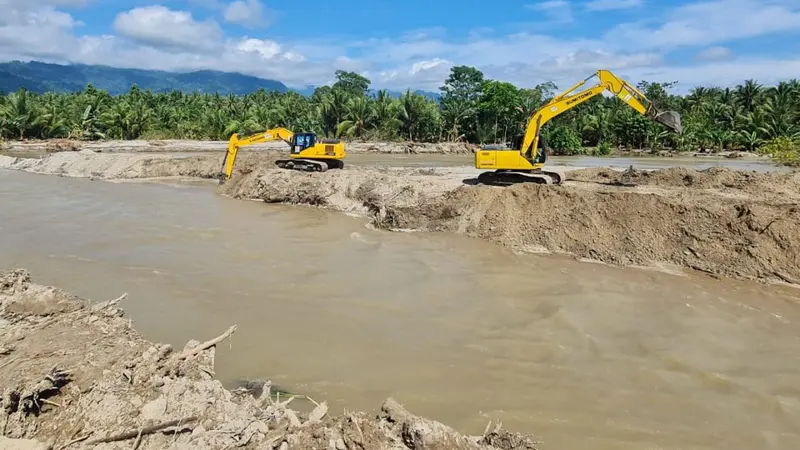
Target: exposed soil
point(755, 183)
point(88, 164)
point(75, 374)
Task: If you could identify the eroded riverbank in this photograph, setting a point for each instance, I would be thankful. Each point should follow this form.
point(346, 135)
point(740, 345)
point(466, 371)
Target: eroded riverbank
point(75, 373)
point(722, 222)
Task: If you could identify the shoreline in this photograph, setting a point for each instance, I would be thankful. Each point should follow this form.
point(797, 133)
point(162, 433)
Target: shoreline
point(722, 222)
point(355, 147)
point(76, 373)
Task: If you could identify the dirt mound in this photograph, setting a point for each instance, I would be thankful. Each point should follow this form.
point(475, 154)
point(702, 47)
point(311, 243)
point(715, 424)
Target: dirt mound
point(88, 164)
point(754, 237)
point(714, 235)
point(711, 178)
point(76, 373)
point(62, 145)
point(364, 191)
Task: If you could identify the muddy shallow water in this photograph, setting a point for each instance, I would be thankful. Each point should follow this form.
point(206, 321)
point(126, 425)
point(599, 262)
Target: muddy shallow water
point(462, 331)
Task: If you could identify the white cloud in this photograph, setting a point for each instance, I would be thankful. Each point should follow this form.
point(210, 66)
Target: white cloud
point(427, 74)
point(160, 27)
point(717, 53)
point(35, 32)
point(611, 5)
point(265, 49)
point(247, 13)
point(711, 22)
point(723, 73)
point(556, 10)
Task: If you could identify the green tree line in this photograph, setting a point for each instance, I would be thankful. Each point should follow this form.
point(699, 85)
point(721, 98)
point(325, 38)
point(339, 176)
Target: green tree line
point(471, 108)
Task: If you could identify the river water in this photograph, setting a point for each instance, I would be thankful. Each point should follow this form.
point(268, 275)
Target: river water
point(462, 331)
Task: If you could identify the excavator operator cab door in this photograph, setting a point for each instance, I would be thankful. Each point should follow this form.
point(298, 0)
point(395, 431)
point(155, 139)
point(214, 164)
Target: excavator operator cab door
point(541, 151)
point(516, 142)
point(539, 156)
point(302, 141)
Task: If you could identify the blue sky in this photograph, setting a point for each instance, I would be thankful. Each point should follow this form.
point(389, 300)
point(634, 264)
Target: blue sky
point(413, 43)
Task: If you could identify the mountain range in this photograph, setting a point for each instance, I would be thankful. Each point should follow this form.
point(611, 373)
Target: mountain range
point(41, 77)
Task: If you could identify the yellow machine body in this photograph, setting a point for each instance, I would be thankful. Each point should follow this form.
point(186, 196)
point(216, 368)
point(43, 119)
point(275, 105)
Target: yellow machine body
point(307, 152)
point(527, 155)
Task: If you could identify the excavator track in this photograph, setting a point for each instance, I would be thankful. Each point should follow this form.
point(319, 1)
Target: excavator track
point(507, 178)
point(310, 165)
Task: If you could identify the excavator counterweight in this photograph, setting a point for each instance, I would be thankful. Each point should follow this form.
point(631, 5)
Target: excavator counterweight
point(525, 160)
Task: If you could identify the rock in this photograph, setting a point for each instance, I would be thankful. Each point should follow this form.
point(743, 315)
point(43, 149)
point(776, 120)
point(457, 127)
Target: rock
point(155, 409)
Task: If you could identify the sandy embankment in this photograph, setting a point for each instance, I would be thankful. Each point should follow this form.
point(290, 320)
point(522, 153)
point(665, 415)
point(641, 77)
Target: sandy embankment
point(76, 373)
point(177, 146)
point(720, 221)
point(108, 166)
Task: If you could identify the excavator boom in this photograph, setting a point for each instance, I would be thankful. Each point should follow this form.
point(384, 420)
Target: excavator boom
point(307, 152)
point(530, 156)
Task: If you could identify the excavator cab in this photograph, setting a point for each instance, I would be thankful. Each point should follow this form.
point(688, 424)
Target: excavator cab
point(302, 141)
point(541, 155)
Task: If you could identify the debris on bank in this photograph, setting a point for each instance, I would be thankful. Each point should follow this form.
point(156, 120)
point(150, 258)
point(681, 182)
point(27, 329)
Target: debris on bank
point(76, 375)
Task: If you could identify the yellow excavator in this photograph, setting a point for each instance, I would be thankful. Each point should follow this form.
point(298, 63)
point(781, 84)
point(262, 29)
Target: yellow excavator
point(307, 151)
point(523, 163)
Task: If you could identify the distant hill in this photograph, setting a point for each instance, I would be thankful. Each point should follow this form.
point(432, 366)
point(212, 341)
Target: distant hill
point(42, 77)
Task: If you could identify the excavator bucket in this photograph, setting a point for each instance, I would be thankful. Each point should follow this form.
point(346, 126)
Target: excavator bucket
point(671, 120)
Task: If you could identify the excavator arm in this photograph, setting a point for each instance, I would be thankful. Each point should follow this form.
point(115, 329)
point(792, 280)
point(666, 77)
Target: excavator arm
point(273, 134)
point(524, 161)
point(569, 99)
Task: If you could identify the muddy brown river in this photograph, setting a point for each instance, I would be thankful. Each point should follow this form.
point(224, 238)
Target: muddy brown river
point(583, 355)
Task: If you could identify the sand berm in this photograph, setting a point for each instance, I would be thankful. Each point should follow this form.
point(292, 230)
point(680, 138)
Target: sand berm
point(723, 222)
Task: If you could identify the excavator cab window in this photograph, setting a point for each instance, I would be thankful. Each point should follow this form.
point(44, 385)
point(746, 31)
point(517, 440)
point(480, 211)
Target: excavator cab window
point(516, 141)
point(303, 141)
point(540, 156)
point(541, 152)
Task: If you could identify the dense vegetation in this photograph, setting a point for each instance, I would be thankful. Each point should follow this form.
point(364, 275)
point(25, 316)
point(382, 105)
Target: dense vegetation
point(471, 108)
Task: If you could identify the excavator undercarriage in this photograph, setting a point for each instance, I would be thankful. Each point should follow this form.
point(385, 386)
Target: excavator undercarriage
point(310, 165)
point(508, 177)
